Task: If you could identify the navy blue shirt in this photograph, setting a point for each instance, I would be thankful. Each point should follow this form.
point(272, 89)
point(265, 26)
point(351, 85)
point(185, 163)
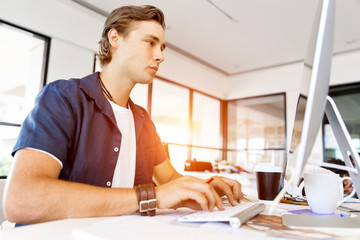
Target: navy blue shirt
point(73, 121)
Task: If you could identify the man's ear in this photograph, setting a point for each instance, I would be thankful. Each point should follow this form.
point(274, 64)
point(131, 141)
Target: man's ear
point(114, 37)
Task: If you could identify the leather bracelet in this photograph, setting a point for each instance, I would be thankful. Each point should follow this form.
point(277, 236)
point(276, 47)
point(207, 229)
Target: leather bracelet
point(143, 204)
point(147, 199)
point(152, 200)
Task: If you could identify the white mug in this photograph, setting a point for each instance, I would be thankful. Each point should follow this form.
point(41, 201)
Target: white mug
point(325, 192)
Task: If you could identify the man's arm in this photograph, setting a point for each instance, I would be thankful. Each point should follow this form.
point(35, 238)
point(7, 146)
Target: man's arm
point(165, 172)
point(35, 194)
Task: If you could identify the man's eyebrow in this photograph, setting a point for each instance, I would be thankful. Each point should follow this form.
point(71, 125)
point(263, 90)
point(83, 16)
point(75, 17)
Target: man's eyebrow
point(156, 39)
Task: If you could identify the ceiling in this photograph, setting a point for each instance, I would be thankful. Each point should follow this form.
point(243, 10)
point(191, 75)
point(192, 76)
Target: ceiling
point(238, 36)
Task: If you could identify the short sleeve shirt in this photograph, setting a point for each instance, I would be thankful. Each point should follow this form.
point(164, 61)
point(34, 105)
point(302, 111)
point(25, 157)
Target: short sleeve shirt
point(73, 121)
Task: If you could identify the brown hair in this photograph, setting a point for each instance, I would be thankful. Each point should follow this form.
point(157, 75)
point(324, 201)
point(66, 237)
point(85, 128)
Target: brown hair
point(121, 19)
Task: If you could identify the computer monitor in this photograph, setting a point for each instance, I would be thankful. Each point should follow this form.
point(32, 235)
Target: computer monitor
point(314, 101)
point(313, 90)
point(312, 97)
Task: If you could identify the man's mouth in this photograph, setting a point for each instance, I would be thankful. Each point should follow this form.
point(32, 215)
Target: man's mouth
point(154, 69)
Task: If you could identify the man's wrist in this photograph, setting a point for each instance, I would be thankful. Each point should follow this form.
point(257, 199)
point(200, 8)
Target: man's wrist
point(146, 199)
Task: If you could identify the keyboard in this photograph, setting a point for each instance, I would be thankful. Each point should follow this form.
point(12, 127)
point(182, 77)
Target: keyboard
point(235, 216)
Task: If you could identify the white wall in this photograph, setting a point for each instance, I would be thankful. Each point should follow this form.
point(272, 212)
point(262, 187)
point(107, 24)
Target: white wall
point(68, 61)
point(345, 68)
point(186, 71)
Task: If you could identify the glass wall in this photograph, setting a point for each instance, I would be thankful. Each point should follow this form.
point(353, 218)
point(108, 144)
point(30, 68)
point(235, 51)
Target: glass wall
point(188, 121)
point(256, 131)
point(206, 121)
point(139, 95)
point(206, 129)
point(347, 99)
point(8, 136)
point(23, 60)
point(170, 111)
point(170, 114)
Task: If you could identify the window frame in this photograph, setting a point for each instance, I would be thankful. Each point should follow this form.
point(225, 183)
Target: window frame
point(285, 149)
point(45, 63)
point(334, 91)
point(189, 145)
point(47, 47)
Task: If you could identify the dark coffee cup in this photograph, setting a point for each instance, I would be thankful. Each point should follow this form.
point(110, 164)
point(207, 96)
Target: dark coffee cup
point(268, 181)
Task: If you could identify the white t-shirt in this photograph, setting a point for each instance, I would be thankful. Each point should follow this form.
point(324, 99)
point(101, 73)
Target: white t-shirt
point(124, 173)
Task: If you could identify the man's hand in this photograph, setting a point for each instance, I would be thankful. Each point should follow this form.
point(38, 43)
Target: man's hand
point(189, 192)
point(348, 188)
point(196, 194)
point(229, 187)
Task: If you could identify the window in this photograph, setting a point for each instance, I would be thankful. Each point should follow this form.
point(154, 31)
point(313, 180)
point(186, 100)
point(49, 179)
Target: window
point(170, 111)
point(347, 99)
point(206, 129)
point(205, 121)
point(23, 62)
point(256, 131)
point(7, 141)
point(188, 121)
point(139, 95)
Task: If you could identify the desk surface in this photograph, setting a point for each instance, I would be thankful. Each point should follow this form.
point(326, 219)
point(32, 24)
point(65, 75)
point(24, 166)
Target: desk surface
point(164, 226)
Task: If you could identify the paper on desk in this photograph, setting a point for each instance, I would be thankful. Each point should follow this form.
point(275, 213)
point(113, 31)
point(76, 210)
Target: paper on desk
point(135, 228)
point(224, 230)
point(351, 206)
point(162, 226)
point(272, 226)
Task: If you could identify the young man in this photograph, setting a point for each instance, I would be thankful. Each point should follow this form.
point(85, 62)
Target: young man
point(348, 184)
point(85, 145)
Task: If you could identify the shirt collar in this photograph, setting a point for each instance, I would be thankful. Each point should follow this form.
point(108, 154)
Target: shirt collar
point(91, 86)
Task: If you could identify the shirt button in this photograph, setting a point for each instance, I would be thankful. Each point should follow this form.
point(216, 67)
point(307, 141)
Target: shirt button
point(108, 183)
point(116, 149)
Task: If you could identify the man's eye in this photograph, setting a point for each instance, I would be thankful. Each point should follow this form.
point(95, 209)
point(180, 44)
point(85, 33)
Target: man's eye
point(151, 43)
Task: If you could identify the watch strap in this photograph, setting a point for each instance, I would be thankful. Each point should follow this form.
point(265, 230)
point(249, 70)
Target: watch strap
point(146, 199)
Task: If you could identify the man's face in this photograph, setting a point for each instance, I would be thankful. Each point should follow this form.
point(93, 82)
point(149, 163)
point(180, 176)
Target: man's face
point(139, 54)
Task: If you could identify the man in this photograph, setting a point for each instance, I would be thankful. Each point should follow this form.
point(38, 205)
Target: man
point(86, 135)
point(348, 185)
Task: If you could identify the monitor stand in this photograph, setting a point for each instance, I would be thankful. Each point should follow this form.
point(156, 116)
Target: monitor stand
point(350, 155)
point(346, 147)
point(352, 166)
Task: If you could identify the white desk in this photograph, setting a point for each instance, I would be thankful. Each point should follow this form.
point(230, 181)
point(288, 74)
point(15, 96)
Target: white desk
point(164, 226)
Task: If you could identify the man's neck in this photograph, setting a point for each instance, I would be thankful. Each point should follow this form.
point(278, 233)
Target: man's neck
point(119, 87)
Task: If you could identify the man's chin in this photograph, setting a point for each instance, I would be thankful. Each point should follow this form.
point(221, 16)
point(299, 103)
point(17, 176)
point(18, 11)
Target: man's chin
point(147, 80)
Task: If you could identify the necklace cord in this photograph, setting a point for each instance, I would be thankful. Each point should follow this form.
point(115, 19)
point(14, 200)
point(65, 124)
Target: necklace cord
point(105, 91)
